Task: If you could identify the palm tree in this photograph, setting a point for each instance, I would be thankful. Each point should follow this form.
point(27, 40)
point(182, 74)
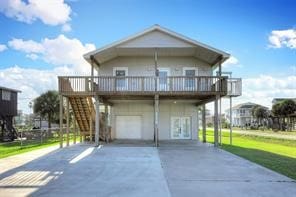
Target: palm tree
point(283, 110)
point(288, 107)
point(260, 113)
point(47, 105)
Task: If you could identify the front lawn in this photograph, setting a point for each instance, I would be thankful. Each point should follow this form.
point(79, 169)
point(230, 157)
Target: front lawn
point(13, 148)
point(276, 154)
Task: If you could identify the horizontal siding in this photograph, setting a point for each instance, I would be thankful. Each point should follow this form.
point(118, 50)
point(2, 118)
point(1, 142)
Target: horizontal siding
point(145, 109)
point(144, 66)
point(8, 108)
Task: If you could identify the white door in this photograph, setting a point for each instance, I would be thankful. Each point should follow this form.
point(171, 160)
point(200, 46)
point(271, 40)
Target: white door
point(128, 127)
point(180, 128)
point(163, 79)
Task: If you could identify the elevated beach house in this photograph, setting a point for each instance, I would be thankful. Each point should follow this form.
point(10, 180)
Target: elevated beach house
point(8, 110)
point(148, 87)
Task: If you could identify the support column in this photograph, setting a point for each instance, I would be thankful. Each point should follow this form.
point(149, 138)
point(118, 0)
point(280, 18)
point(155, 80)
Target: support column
point(204, 138)
point(80, 136)
point(156, 118)
point(61, 121)
point(67, 121)
point(90, 127)
point(216, 144)
point(106, 124)
point(92, 75)
point(220, 121)
point(230, 117)
point(216, 115)
point(74, 130)
point(97, 122)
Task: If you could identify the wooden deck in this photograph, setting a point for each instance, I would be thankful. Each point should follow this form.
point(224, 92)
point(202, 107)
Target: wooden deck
point(145, 86)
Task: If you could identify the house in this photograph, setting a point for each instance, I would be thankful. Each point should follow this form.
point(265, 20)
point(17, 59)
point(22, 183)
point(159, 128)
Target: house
point(242, 114)
point(151, 85)
point(8, 109)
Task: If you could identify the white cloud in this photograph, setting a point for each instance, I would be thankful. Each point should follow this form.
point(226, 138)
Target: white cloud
point(32, 56)
point(50, 12)
point(283, 38)
point(32, 82)
point(28, 46)
point(58, 51)
point(63, 53)
point(3, 47)
point(231, 62)
point(66, 27)
point(262, 90)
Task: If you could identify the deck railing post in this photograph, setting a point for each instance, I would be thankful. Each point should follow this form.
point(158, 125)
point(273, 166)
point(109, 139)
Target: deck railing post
point(204, 137)
point(97, 121)
point(67, 121)
point(61, 121)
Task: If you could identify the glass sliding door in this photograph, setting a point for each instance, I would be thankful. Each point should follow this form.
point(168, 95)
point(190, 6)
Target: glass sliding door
point(181, 128)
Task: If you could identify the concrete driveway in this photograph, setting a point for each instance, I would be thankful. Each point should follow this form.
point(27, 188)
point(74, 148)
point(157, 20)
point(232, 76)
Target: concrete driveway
point(186, 169)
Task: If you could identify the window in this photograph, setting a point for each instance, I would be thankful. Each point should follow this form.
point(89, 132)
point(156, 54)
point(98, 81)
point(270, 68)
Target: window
point(121, 81)
point(163, 79)
point(6, 95)
point(189, 73)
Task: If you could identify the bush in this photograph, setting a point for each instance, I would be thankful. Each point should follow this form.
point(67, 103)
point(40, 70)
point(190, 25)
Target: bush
point(210, 124)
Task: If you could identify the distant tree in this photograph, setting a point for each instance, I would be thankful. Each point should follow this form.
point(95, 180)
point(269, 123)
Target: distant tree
point(288, 107)
point(276, 109)
point(47, 106)
point(282, 110)
point(260, 113)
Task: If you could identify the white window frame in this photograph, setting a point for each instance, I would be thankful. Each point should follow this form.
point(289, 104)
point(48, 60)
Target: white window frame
point(184, 74)
point(168, 70)
point(180, 118)
point(126, 80)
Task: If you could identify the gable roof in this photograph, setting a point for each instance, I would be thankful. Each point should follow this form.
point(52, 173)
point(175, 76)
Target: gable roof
point(9, 89)
point(246, 105)
point(183, 46)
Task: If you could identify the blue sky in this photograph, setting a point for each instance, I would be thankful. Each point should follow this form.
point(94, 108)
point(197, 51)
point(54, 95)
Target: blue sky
point(242, 28)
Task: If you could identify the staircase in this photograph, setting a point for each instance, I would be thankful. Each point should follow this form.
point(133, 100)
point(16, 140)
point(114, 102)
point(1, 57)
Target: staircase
point(85, 114)
point(84, 110)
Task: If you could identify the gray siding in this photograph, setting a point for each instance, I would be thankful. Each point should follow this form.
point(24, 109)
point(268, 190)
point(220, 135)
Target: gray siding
point(145, 109)
point(144, 66)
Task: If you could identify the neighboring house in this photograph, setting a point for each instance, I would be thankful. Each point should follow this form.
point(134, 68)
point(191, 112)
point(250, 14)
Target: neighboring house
point(8, 109)
point(153, 82)
point(242, 114)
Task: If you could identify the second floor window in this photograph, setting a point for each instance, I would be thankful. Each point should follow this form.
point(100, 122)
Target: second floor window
point(6, 95)
point(190, 81)
point(121, 81)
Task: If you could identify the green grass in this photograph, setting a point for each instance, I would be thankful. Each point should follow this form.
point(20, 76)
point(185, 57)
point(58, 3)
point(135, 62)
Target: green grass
point(276, 154)
point(14, 148)
point(268, 131)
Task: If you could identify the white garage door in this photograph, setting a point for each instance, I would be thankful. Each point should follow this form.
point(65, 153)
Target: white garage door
point(128, 127)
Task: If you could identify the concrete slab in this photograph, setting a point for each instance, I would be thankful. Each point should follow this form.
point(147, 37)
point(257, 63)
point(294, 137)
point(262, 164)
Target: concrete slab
point(202, 170)
point(84, 170)
point(184, 168)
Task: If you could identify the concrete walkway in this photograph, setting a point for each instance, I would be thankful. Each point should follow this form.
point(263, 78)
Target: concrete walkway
point(185, 169)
